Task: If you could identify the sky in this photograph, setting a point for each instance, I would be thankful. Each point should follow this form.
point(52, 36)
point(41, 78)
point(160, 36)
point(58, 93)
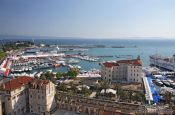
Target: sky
point(88, 18)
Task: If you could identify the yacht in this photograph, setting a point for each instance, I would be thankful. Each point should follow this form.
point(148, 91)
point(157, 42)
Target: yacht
point(73, 61)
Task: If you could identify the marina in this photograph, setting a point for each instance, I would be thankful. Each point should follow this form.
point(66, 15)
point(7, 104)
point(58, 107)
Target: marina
point(35, 61)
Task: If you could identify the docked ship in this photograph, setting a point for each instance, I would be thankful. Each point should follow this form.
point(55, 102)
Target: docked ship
point(167, 63)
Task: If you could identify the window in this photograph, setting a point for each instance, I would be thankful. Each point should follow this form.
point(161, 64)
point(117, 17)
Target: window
point(30, 96)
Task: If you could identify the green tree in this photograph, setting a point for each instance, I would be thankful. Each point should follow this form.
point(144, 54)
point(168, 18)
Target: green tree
point(50, 76)
point(123, 95)
point(2, 54)
point(104, 85)
point(118, 88)
point(130, 93)
point(167, 96)
point(62, 87)
point(72, 73)
point(85, 91)
point(73, 87)
point(43, 76)
point(59, 75)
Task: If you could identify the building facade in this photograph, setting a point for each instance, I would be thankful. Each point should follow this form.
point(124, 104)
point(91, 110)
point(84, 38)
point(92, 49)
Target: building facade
point(15, 99)
point(122, 71)
point(14, 96)
point(41, 97)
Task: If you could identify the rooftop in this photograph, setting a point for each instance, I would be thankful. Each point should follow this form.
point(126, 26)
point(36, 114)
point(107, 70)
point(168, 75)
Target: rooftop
point(16, 83)
point(110, 64)
point(135, 62)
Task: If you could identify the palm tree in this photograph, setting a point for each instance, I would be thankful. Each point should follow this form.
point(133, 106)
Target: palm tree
point(130, 93)
point(123, 95)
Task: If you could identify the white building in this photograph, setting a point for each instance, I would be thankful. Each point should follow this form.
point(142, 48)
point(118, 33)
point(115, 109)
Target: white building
point(122, 71)
point(41, 97)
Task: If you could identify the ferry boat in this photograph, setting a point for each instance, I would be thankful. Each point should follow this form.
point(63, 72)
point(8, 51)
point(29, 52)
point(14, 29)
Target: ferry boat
point(167, 63)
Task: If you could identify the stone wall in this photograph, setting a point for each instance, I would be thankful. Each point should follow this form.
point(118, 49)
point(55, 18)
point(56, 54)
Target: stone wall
point(96, 106)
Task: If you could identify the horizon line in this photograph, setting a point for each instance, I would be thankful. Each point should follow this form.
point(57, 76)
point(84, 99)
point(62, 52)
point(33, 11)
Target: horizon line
point(78, 37)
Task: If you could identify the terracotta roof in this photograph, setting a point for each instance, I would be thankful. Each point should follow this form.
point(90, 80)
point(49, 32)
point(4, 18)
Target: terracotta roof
point(135, 62)
point(110, 64)
point(16, 83)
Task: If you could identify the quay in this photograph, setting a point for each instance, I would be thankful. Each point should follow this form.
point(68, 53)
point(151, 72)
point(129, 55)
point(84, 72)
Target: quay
point(84, 57)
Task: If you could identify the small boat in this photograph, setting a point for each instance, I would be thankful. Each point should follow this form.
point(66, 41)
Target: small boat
point(73, 61)
point(49, 70)
point(77, 66)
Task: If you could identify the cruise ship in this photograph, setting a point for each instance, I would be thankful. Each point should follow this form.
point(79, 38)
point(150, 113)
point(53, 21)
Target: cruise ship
point(163, 62)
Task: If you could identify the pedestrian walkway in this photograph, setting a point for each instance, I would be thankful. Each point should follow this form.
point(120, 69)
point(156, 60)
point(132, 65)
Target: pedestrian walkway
point(153, 90)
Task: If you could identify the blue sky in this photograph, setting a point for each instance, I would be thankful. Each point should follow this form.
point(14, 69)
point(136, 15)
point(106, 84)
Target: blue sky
point(88, 18)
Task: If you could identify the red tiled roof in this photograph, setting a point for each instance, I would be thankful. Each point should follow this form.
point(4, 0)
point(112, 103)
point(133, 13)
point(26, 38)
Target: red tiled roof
point(16, 83)
point(135, 62)
point(110, 64)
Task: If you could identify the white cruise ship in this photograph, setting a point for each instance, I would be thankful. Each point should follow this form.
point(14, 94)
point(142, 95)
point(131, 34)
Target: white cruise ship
point(163, 62)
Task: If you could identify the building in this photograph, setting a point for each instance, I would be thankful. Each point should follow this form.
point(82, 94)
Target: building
point(126, 71)
point(41, 97)
point(14, 96)
point(15, 99)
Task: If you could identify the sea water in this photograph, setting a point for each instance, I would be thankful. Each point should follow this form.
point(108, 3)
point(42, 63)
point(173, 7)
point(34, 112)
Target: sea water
point(144, 48)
